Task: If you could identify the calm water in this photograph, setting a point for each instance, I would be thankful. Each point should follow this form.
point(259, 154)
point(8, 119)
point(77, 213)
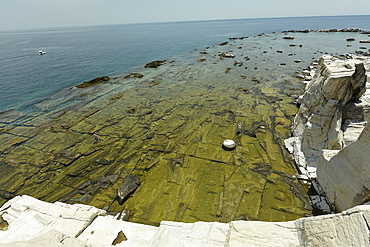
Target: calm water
point(166, 127)
point(77, 54)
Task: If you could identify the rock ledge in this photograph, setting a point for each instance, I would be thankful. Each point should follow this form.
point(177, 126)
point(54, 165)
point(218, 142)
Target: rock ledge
point(32, 222)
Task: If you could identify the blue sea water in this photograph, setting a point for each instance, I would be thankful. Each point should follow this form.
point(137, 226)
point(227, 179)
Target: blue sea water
point(78, 54)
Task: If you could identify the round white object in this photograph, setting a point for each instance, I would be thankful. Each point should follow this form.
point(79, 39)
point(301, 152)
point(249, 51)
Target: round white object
point(229, 144)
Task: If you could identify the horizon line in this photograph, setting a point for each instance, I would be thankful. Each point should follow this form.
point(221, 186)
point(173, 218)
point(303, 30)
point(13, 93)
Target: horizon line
point(163, 22)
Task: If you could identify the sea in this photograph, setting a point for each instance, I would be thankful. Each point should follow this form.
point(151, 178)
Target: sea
point(77, 54)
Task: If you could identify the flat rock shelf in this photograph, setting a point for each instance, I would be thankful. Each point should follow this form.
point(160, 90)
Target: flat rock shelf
point(167, 127)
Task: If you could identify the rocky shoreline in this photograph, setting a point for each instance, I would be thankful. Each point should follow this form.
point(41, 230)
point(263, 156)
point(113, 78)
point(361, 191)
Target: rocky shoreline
point(163, 127)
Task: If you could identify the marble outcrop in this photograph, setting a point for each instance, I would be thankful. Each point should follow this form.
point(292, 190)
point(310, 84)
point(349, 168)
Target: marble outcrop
point(345, 176)
point(32, 222)
point(330, 131)
point(323, 121)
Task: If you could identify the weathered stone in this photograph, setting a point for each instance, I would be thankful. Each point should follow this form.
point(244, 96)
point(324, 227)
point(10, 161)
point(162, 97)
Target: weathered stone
point(196, 234)
point(318, 123)
point(50, 238)
point(36, 223)
point(244, 233)
point(29, 218)
point(331, 133)
point(346, 229)
point(344, 177)
point(129, 185)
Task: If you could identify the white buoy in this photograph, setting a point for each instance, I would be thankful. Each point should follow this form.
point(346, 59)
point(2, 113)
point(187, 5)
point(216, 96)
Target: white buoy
point(228, 145)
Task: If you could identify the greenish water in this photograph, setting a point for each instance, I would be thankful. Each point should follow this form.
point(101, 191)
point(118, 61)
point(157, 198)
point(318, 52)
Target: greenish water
point(168, 127)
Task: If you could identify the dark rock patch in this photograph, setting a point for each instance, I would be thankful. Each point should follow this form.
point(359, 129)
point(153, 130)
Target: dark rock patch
point(3, 224)
point(134, 75)
point(120, 238)
point(155, 64)
point(243, 89)
point(95, 81)
point(129, 185)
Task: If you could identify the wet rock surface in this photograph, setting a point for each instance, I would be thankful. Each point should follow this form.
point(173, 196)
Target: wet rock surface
point(170, 134)
point(129, 185)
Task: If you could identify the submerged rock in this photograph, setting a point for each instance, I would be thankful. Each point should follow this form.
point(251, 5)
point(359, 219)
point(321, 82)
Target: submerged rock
point(155, 64)
point(129, 185)
point(134, 75)
point(227, 55)
point(95, 81)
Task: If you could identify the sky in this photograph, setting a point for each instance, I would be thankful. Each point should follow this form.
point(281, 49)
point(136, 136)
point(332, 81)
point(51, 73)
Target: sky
point(30, 14)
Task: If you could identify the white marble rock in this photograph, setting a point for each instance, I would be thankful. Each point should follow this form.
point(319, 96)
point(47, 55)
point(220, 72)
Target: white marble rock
point(27, 228)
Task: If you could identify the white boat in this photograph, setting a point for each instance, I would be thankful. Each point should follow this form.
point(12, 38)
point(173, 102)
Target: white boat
point(41, 52)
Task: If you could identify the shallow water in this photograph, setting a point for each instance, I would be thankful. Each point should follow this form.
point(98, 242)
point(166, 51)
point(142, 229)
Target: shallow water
point(168, 127)
point(77, 54)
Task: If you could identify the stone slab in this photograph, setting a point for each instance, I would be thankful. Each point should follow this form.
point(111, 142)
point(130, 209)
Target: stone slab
point(104, 230)
point(191, 234)
point(255, 233)
point(28, 218)
point(35, 223)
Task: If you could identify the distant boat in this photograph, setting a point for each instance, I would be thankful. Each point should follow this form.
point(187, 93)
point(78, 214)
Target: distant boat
point(41, 52)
